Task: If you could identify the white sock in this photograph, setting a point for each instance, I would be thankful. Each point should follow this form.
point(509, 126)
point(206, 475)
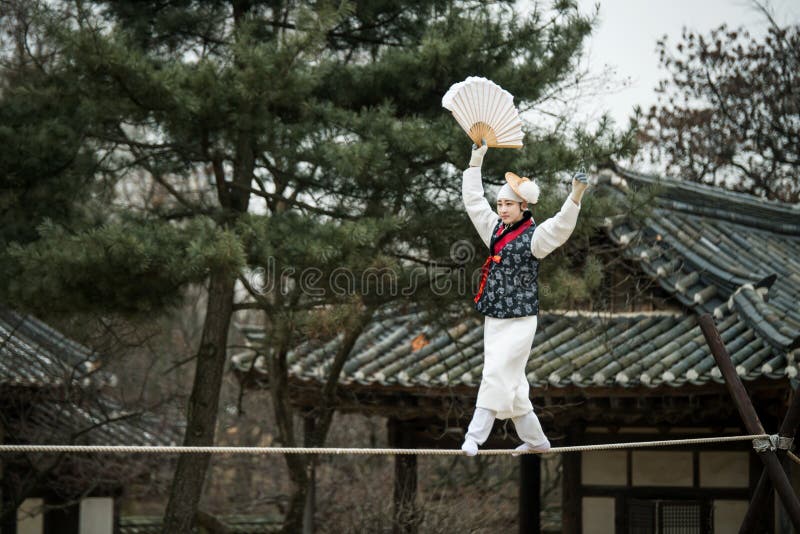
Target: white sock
point(478, 431)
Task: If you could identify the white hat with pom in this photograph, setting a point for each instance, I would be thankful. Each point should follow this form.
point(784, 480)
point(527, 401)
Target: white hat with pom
point(519, 189)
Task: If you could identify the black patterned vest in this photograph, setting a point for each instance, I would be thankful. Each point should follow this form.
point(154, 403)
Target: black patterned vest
point(509, 286)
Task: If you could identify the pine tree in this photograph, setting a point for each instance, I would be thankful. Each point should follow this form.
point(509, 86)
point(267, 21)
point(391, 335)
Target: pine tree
point(242, 137)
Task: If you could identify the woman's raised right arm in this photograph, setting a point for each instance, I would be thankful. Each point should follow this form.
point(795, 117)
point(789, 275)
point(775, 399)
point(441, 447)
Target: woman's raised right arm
point(480, 212)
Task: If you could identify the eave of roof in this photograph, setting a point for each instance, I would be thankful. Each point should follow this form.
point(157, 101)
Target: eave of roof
point(34, 354)
point(51, 383)
point(586, 351)
point(719, 203)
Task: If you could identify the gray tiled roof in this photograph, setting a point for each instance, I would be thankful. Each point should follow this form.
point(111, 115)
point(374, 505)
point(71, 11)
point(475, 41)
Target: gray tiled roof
point(719, 251)
point(236, 524)
point(569, 350)
point(92, 421)
point(34, 354)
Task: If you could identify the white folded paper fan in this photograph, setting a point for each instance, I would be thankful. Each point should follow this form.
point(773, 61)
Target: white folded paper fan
point(485, 111)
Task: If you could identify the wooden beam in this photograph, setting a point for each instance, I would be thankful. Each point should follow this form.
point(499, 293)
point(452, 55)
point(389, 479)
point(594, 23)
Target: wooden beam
point(571, 489)
point(713, 407)
point(529, 494)
point(661, 492)
point(750, 418)
point(468, 393)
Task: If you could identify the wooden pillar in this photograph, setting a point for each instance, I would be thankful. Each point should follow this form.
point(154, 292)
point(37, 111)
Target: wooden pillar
point(8, 513)
point(311, 498)
point(571, 484)
point(3, 510)
point(61, 518)
point(309, 510)
point(8, 516)
point(117, 511)
point(401, 436)
point(529, 494)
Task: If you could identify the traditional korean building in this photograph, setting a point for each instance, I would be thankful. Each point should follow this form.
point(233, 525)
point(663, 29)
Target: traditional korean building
point(638, 371)
point(51, 393)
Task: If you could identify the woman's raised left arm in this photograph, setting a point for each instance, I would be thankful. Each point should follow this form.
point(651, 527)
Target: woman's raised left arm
point(555, 231)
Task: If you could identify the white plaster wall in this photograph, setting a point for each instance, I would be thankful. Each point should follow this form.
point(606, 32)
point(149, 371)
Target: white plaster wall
point(662, 468)
point(728, 469)
point(728, 516)
point(29, 517)
point(608, 468)
point(597, 515)
point(97, 515)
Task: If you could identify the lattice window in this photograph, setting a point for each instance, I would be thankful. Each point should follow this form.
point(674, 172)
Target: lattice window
point(668, 517)
point(680, 518)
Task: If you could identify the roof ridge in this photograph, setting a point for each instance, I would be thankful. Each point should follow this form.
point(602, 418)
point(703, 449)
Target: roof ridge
point(609, 315)
point(712, 191)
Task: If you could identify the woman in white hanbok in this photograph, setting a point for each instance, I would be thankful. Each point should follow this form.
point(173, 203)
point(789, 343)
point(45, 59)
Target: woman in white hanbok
point(508, 297)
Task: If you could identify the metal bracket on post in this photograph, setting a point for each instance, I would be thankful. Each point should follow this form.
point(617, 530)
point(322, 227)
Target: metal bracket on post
point(765, 444)
point(773, 443)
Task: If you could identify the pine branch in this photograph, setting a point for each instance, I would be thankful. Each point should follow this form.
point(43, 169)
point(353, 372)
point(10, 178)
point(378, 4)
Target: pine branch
point(294, 202)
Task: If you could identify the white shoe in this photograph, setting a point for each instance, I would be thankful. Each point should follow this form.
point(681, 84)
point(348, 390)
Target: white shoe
point(542, 447)
point(529, 430)
point(469, 447)
point(479, 429)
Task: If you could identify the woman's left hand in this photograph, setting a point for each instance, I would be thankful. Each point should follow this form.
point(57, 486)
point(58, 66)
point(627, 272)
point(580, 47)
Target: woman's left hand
point(579, 185)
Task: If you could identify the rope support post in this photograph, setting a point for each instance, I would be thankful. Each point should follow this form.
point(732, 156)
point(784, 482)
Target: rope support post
point(748, 414)
point(758, 503)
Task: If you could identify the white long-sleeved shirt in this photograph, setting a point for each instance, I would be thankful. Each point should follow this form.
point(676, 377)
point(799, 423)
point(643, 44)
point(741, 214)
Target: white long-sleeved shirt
point(547, 236)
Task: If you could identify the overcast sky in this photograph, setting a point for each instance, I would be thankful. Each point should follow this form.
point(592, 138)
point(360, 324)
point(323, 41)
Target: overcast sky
point(628, 30)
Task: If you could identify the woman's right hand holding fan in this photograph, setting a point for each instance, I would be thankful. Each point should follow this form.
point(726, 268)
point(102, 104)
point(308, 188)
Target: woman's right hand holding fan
point(477, 154)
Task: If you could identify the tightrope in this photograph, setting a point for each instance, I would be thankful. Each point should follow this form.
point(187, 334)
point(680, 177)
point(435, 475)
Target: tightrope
point(157, 449)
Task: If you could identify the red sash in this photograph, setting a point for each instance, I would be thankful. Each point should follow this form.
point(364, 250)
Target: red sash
point(502, 242)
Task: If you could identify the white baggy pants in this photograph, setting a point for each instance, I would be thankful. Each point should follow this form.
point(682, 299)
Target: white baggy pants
point(506, 347)
point(529, 429)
